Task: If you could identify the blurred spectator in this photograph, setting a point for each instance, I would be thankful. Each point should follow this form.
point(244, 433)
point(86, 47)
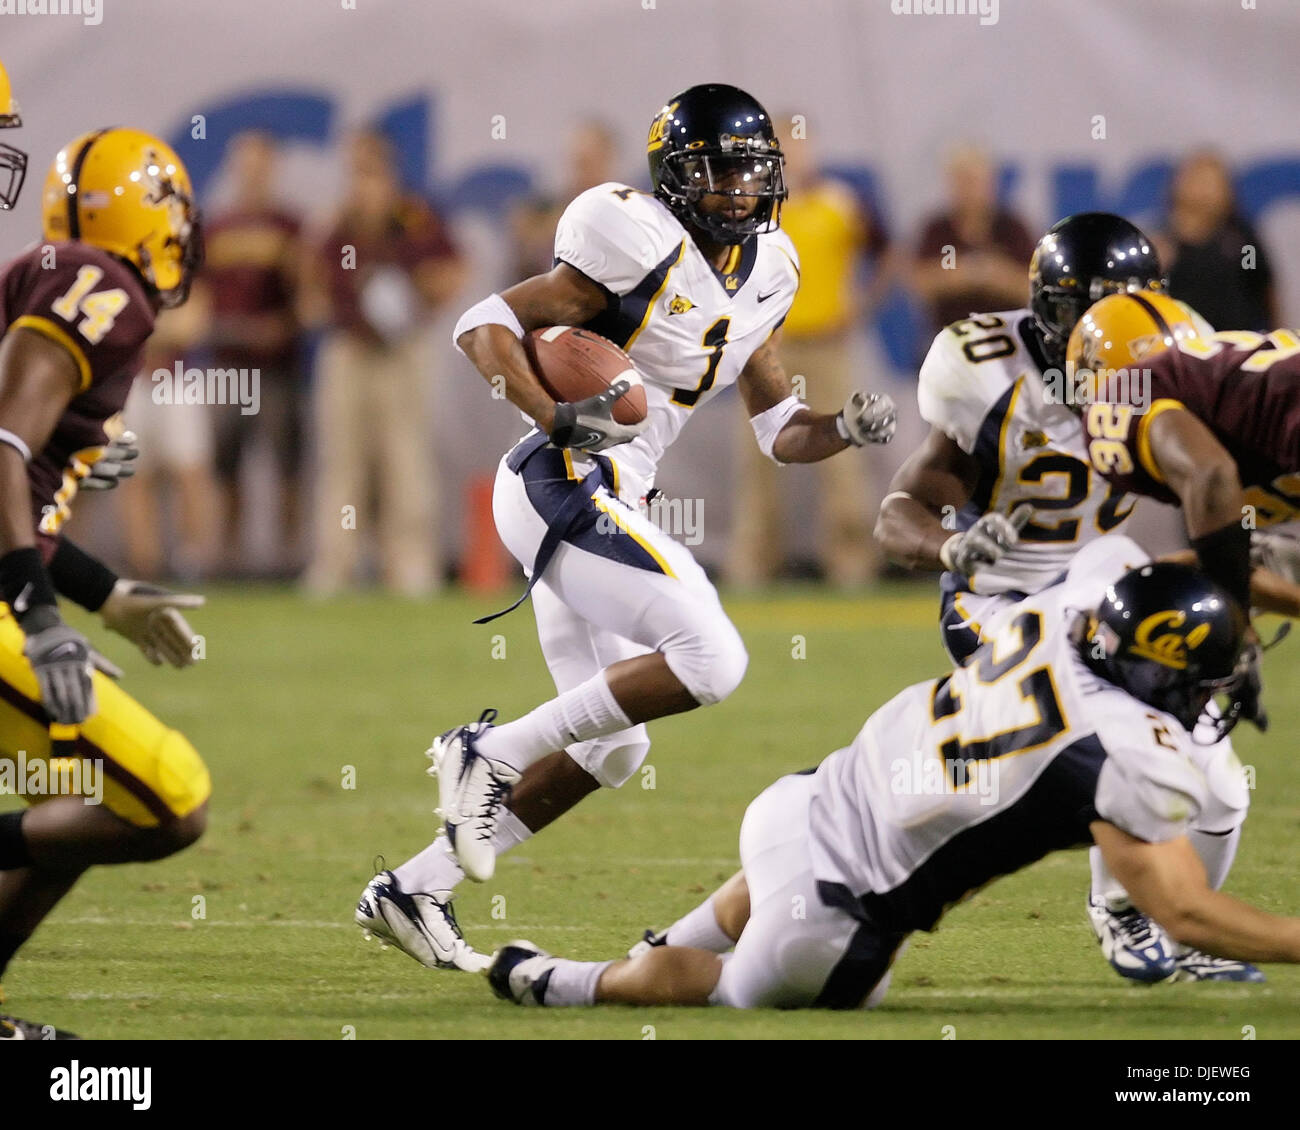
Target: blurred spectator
point(253, 251)
point(832, 235)
point(385, 267)
point(175, 463)
point(592, 155)
point(974, 256)
point(1215, 260)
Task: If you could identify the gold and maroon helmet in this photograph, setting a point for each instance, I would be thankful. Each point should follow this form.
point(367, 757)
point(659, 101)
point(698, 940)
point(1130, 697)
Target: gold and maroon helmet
point(13, 162)
point(128, 193)
point(1124, 329)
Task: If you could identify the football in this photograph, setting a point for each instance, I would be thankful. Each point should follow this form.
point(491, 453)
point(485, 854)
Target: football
point(572, 364)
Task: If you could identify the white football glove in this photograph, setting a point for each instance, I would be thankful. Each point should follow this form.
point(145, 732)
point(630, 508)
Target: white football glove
point(589, 424)
point(150, 618)
point(1278, 553)
point(987, 540)
point(868, 417)
point(115, 464)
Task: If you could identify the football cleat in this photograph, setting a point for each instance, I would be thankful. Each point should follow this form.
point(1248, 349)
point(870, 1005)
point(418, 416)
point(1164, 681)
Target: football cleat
point(11, 1028)
point(422, 925)
point(1194, 965)
point(520, 972)
point(649, 941)
point(471, 791)
point(1134, 945)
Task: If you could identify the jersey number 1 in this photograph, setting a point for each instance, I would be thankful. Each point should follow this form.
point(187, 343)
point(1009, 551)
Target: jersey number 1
point(715, 340)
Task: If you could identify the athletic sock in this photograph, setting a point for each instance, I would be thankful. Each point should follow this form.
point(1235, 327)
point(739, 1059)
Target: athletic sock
point(1217, 853)
point(436, 869)
point(1105, 887)
point(573, 983)
point(14, 853)
point(699, 930)
point(587, 711)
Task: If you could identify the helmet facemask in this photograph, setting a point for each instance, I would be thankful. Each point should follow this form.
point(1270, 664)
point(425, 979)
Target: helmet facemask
point(1057, 309)
point(181, 246)
point(13, 171)
point(188, 242)
point(748, 169)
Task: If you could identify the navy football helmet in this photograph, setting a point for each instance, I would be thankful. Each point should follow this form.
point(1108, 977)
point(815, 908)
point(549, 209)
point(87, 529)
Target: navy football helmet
point(717, 140)
point(1080, 260)
point(1174, 639)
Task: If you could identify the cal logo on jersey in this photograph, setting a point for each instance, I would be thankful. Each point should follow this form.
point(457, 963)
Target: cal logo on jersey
point(680, 305)
point(1168, 648)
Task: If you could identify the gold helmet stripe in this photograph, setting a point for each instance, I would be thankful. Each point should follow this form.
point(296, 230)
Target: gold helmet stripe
point(74, 219)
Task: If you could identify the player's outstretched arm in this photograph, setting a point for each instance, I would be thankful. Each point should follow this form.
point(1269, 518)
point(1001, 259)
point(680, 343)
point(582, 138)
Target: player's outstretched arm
point(491, 333)
point(1199, 470)
point(1167, 882)
point(37, 380)
point(789, 432)
point(1270, 590)
point(935, 482)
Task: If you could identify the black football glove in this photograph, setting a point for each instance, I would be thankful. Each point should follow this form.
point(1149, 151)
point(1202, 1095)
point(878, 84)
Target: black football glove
point(589, 424)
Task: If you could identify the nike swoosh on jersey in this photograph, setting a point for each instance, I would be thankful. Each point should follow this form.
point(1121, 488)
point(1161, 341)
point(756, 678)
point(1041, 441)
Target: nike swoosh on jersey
point(20, 601)
point(769, 294)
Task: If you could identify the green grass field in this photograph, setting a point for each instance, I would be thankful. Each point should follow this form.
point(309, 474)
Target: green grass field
point(291, 693)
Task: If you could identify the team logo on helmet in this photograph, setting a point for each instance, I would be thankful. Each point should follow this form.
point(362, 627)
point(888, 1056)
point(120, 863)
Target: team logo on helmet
point(1170, 647)
point(659, 127)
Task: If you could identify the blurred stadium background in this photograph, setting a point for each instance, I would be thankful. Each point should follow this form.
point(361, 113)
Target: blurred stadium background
point(1077, 106)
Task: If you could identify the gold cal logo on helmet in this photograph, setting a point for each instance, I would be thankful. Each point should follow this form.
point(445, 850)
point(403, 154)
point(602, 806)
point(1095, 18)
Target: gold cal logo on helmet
point(1168, 647)
point(659, 127)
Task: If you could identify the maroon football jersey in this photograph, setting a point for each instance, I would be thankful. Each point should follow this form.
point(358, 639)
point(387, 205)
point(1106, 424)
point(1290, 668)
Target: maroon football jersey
point(1245, 387)
point(248, 266)
point(96, 308)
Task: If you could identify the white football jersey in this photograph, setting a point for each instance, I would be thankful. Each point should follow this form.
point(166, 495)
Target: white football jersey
point(961, 779)
point(689, 328)
point(981, 384)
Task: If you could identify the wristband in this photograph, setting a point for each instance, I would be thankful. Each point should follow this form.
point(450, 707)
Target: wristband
point(843, 429)
point(25, 585)
point(1224, 555)
point(768, 425)
point(80, 577)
